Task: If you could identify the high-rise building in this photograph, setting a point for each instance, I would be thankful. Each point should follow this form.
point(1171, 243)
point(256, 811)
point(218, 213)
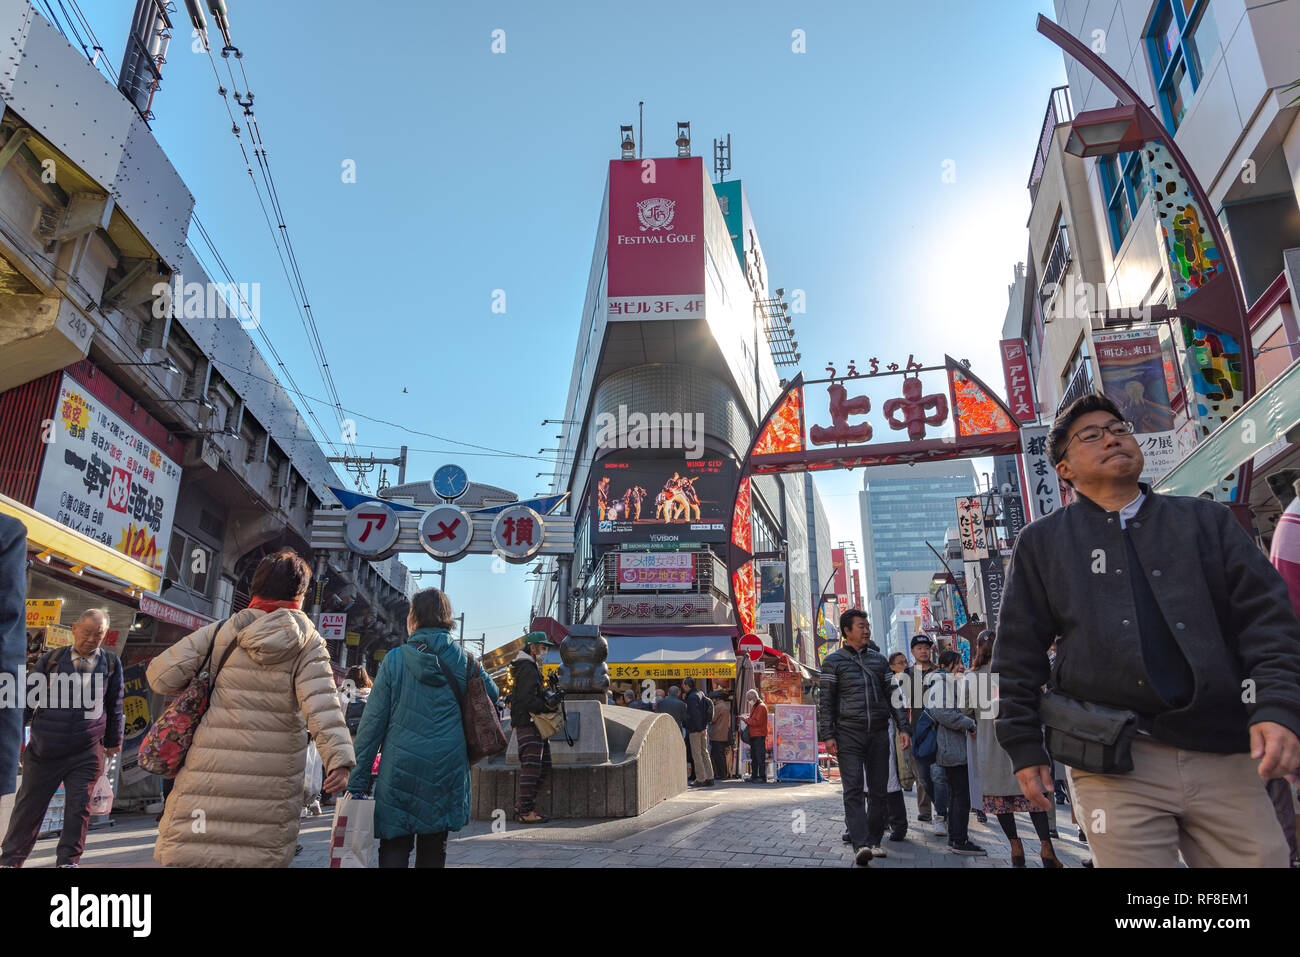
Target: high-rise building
point(903, 507)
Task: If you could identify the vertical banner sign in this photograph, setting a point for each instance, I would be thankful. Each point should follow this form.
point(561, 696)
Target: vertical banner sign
point(970, 526)
point(840, 579)
point(991, 577)
point(1015, 367)
point(1133, 376)
point(771, 593)
point(1013, 508)
point(102, 477)
point(1042, 484)
point(656, 239)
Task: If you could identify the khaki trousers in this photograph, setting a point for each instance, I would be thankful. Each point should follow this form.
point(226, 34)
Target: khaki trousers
point(1211, 807)
point(703, 760)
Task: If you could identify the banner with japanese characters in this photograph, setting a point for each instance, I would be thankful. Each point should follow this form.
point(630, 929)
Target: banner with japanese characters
point(1015, 368)
point(103, 478)
point(656, 571)
point(1042, 485)
point(970, 526)
point(1134, 377)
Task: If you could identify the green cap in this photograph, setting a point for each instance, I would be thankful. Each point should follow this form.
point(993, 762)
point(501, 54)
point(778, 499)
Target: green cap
point(539, 638)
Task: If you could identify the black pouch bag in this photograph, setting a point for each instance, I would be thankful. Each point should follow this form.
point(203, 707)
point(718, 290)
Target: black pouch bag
point(1089, 737)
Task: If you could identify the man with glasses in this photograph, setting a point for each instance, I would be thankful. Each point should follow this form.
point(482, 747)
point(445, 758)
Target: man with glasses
point(1165, 609)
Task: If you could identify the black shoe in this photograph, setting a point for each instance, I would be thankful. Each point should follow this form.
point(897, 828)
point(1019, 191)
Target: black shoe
point(898, 834)
point(862, 856)
point(923, 817)
point(968, 848)
point(1083, 837)
point(981, 817)
point(846, 837)
point(1053, 833)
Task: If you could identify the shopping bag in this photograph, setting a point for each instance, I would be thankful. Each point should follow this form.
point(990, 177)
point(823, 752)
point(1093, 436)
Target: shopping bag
point(101, 798)
point(313, 775)
point(352, 842)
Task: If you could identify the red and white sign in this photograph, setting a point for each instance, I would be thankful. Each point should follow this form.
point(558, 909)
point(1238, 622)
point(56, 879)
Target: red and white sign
point(332, 624)
point(371, 529)
point(171, 614)
point(750, 645)
point(446, 531)
point(652, 571)
point(1020, 389)
point(656, 238)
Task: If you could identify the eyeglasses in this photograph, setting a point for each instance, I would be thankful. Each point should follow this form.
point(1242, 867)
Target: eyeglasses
point(1093, 433)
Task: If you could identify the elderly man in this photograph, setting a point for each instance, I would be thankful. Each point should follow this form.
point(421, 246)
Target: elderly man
point(13, 651)
point(73, 729)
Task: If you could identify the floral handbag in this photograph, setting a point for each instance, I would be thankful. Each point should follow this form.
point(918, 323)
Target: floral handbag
point(164, 746)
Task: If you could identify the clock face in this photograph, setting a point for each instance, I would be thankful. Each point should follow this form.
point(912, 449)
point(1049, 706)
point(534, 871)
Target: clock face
point(450, 482)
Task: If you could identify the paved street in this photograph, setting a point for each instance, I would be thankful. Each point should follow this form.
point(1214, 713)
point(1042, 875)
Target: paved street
point(730, 825)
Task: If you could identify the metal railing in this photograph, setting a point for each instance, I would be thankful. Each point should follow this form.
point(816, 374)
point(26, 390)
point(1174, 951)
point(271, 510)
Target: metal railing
point(1080, 385)
point(1059, 112)
point(1059, 258)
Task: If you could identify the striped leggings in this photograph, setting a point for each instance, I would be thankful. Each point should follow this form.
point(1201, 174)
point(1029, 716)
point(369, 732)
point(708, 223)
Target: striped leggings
point(534, 765)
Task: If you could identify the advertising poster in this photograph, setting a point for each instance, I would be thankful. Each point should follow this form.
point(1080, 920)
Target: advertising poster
point(103, 478)
point(655, 571)
point(134, 781)
point(656, 239)
point(664, 500)
point(1133, 376)
point(780, 688)
point(771, 593)
point(43, 611)
point(796, 733)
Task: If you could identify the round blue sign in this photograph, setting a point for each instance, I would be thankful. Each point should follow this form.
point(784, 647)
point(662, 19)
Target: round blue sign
point(450, 482)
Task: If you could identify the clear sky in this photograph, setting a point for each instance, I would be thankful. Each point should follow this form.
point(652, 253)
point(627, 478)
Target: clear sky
point(479, 171)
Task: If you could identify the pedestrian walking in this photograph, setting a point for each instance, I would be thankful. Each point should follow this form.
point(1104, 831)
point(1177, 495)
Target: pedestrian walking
point(78, 725)
point(954, 724)
point(359, 685)
point(755, 721)
point(673, 704)
point(857, 703)
point(720, 736)
point(931, 786)
point(528, 698)
point(1002, 797)
point(413, 716)
point(1172, 623)
point(13, 653)
point(699, 716)
point(243, 774)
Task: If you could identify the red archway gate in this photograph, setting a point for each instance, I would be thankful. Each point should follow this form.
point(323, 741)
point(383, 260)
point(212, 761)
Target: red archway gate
point(894, 416)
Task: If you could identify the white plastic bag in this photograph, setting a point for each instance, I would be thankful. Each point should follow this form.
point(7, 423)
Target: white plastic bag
point(101, 798)
point(352, 841)
point(313, 775)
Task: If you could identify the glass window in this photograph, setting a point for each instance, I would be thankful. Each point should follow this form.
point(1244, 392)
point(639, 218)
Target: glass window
point(1178, 92)
point(1205, 41)
point(1182, 39)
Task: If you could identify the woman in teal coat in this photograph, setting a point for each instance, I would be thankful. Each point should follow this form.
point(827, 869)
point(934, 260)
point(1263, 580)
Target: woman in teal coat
point(413, 717)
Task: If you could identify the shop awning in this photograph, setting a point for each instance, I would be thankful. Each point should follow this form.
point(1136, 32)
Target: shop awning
point(1266, 418)
point(47, 535)
point(632, 658)
point(498, 659)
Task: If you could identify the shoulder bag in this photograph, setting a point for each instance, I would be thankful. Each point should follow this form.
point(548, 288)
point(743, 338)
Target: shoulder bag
point(165, 745)
point(1088, 737)
point(478, 715)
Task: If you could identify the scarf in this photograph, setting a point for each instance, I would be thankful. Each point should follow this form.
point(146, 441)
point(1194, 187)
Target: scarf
point(266, 604)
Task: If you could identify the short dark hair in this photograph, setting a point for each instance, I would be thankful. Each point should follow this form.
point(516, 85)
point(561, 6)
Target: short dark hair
point(846, 619)
point(358, 675)
point(897, 654)
point(432, 609)
point(688, 682)
point(282, 576)
point(1060, 432)
point(948, 657)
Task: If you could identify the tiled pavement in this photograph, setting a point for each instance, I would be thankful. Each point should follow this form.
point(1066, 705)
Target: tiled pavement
point(729, 825)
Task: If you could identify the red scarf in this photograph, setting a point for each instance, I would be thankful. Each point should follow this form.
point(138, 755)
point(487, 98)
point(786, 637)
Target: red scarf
point(265, 604)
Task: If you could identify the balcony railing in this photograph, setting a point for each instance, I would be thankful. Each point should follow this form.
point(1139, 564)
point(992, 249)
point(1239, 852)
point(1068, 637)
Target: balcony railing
point(1059, 111)
point(1059, 258)
point(1081, 383)
point(710, 579)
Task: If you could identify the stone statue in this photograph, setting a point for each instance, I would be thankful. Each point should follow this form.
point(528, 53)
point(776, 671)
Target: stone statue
point(583, 653)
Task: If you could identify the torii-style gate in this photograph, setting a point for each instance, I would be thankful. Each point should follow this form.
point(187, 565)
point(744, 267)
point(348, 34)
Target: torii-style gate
point(980, 422)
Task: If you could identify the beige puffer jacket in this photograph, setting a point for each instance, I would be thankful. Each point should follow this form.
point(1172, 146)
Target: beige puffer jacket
point(245, 768)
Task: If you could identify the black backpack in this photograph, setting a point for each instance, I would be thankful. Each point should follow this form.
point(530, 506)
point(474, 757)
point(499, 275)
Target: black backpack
point(353, 715)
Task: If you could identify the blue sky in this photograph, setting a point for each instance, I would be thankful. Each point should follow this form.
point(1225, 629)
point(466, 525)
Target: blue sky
point(478, 171)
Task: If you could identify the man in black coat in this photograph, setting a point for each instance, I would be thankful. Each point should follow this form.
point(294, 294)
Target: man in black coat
point(853, 719)
point(1165, 608)
point(699, 715)
point(13, 646)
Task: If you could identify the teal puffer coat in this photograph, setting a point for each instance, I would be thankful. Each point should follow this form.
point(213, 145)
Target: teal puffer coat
point(413, 717)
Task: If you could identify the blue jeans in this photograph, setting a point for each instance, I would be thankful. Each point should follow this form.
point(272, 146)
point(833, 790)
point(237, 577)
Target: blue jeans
point(935, 781)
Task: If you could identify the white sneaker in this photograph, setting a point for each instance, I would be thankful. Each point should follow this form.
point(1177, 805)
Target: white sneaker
point(878, 851)
point(313, 808)
point(940, 829)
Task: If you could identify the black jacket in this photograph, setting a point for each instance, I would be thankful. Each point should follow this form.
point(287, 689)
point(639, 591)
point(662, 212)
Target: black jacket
point(856, 691)
point(527, 697)
point(699, 712)
point(1226, 607)
point(61, 731)
point(673, 706)
point(13, 641)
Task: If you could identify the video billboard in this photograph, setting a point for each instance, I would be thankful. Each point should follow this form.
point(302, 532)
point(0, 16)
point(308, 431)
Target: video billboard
point(662, 500)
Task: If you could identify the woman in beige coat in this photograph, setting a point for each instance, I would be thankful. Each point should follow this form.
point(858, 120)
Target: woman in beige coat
point(237, 800)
